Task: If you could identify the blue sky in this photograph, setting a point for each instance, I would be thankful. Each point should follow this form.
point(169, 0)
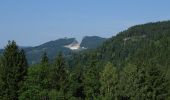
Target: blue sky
point(33, 22)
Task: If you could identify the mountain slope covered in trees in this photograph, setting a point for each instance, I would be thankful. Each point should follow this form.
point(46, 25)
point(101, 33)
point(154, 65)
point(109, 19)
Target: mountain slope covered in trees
point(133, 65)
point(52, 48)
point(91, 42)
point(141, 56)
point(120, 48)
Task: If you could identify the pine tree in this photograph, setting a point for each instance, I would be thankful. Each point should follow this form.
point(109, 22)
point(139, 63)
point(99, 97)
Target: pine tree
point(13, 71)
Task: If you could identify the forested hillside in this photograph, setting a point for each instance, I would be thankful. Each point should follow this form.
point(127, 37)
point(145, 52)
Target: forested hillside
point(52, 48)
point(91, 42)
point(121, 48)
point(133, 65)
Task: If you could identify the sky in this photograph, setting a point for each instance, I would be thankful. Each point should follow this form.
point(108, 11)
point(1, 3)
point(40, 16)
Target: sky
point(33, 22)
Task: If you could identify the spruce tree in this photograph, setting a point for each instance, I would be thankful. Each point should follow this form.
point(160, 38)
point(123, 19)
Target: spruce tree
point(76, 85)
point(23, 69)
point(58, 77)
point(91, 81)
point(13, 71)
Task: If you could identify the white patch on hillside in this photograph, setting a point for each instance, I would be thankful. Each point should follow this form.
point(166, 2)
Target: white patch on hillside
point(73, 46)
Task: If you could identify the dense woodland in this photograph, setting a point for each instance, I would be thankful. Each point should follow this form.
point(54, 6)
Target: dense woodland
point(133, 65)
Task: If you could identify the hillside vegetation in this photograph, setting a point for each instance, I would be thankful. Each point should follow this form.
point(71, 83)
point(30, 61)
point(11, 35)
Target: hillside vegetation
point(133, 65)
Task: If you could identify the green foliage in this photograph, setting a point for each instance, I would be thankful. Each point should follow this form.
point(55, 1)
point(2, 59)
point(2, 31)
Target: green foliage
point(91, 42)
point(13, 71)
point(44, 58)
point(131, 82)
point(35, 84)
point(136, 52)
point(58, 75)
point(109, 82)
point(143, 82)
point(76, 87)
point(91, 81)
point(134, 65)
point(52, 48)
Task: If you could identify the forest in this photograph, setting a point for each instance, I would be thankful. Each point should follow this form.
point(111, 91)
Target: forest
point(133, 65)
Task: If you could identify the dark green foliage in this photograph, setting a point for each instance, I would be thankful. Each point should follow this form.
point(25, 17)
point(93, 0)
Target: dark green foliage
point(91, 81)
point(91, 42)
point(58, 78)
point(58, 74)
point(76, 87)
point(36, 84)
point(134, 65)
point(109, 82)
point(51, 48)
point(146, 47)
point(44, 58)
point(13, 70)
point(1, 52)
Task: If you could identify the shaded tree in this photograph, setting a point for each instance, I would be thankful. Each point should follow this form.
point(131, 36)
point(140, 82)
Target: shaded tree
point(58, 77)
point(44, 58)
point(13, 71)
point(91, 81)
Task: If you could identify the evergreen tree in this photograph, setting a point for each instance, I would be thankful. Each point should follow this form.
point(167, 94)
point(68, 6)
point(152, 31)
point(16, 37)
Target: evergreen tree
point(58, 77)
point(35, 87)
point(91, 81)
point(76, 85)
point(13, 71)
point(23, 69)
point(128, 84)
point(109, 82)
point(36, 84)
point(156, 82)
point(44, 58)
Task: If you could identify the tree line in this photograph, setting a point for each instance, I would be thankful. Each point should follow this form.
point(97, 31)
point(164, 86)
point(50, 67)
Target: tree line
point(95, 80)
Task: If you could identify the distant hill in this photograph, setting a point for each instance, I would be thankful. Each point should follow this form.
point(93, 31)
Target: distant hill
point(91, 42)
point(65, 45)
point(147, 42)
point(51, 48)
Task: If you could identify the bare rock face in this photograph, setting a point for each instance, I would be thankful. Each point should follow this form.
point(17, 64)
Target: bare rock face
point(75, 45)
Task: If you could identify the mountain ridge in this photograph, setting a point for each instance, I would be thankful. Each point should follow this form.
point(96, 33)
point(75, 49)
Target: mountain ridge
point(64, 45)
point(121, 48)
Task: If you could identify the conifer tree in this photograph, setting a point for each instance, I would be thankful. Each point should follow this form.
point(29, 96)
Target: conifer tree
point(58, 76)
point(132, 82)
point(91, 81)
point(109, 82)
point(13, 71)
point(44, 58)
point(36, 85)
point(156, 82)
point(76, 85)
point(24, 65)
